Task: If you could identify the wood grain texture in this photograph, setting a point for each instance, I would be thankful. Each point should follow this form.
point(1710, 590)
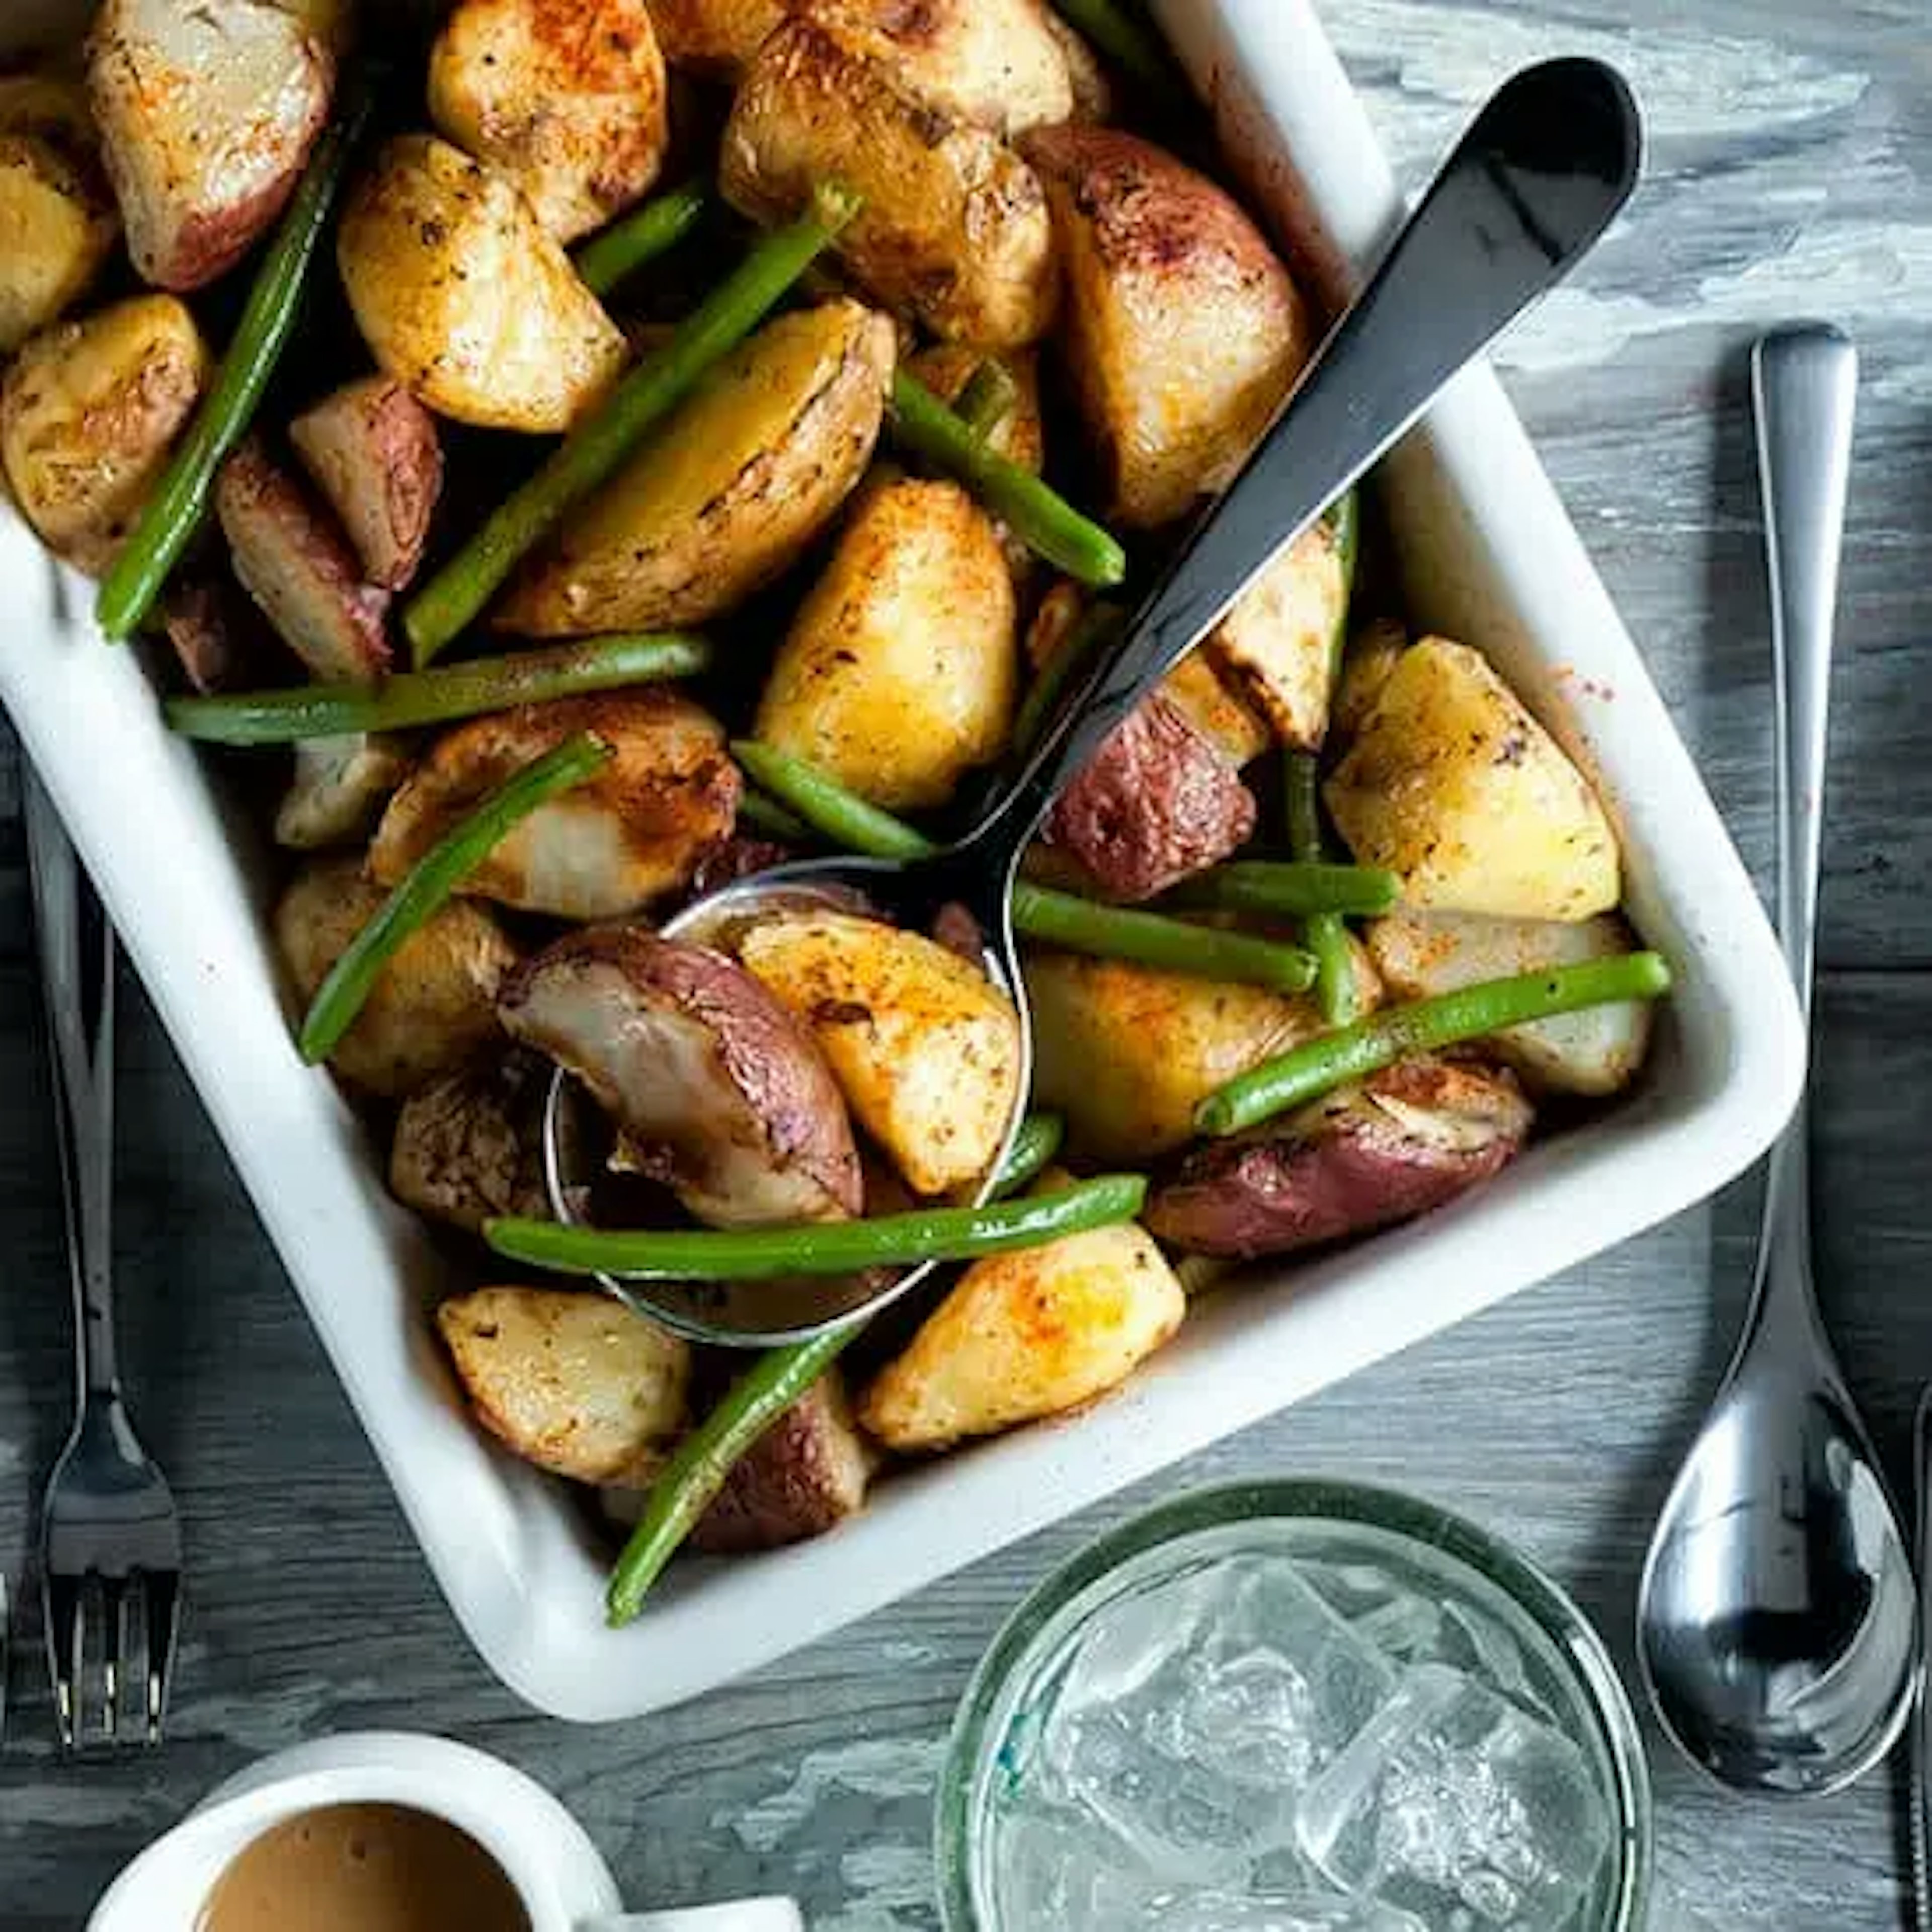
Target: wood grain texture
point(1790, 172)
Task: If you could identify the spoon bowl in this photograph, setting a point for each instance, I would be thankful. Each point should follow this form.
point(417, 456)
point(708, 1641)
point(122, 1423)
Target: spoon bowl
point(1533, 182)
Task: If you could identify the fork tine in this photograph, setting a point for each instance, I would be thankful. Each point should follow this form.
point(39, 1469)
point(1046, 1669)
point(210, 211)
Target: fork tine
point(161, 1598)
point(113, 1652)
point(60, 1612)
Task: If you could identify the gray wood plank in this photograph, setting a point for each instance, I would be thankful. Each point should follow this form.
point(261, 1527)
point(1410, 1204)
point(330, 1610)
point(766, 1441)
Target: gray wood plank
point(1792, 171)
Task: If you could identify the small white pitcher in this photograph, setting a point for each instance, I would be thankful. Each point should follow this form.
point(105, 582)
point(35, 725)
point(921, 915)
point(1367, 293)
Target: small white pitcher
point(563, 1883)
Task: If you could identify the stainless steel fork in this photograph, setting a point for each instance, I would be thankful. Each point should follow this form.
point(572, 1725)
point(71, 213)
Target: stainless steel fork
point(110, 1540)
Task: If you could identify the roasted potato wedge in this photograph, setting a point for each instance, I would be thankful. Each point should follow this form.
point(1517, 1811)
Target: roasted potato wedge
point(89, 411)
point(1452, 784)
point(374, 452)
point(954, 231)
point(220, 640)
point(898, 674)
point(925, 1049)
point(1597, 1051)
point(1157, 803)
point(1406, 1140)
point(1183, 330)
point(1279, 644)
point(716, 37)
point(206, 115)
point(1094, 98)
point(629, 834)
point(1126, 1052)
point(464, 298)
point(1020, 435)
point(433, 1005)
point(469, 1146)
point(576, 1383)
point(567, 98)
point(1026, 1335)
point(1373, 652)
point(57, 222)
point(804, 1475)
point(719, 1091)
point(743, 479)
point(339, 787)
point(293, 561)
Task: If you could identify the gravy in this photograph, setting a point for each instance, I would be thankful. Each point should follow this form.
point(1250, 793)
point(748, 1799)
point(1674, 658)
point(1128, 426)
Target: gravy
point(363, 1868)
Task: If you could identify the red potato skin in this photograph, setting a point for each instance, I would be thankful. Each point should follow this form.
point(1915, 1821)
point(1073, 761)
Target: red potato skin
point(299, 569)
point(804, 1475)
point(784, 1091)
point(374, 452)
point(1343, 1166)
point(1157, 804)
point(218, 637)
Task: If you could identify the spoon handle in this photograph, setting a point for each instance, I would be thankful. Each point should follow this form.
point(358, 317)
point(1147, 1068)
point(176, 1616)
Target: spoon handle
point(1535, 180)
point(1804, 383)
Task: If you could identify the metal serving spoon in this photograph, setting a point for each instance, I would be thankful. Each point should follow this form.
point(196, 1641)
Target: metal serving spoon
point(1776, 1623)
point(1532, 183)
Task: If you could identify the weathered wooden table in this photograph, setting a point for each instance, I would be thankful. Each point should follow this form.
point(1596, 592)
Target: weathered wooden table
point(1790, 172)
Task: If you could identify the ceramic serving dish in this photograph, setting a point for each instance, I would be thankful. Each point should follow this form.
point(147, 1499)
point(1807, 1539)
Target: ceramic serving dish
point(1490, 557)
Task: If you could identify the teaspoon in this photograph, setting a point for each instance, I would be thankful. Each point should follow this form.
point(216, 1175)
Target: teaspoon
point(1776, 1623)
point(1531, 184)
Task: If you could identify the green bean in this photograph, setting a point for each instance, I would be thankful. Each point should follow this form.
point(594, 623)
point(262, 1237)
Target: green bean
point(430, 882)
point(1125, 932)
point(1034, 1144)
point(1094, 625)
point(593, 450)
point(1133, 47)
point(683, 1489)
point(841, 816)
point(178, 502)
point(1054, 918)
point(774, 820)
point(1306, 1072)
point(990, 396)
point(437, 696)
point(1323, 933)
point(1036, 514)
point(1294, 889)
point(820, 1247)
point(646, 232)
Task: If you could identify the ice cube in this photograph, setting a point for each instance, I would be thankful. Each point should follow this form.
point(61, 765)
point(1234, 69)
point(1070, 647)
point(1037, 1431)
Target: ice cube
point(1060, 1869)
point(1454, 1805)
point(1191, 1736)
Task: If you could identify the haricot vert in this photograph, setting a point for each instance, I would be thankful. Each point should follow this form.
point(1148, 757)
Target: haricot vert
point(430, 881)
point(1305, 1073)
point(175, 508)
point(619, 250)
point(1040, 912)
point(457, 594)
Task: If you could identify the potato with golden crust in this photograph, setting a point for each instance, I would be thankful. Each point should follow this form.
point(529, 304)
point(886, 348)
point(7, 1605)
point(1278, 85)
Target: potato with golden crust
point(373, 450)
point(1597, 1051)
point(742, 478)
point(566, 98)
point(1026, 1335)
point(1125, 1051)
point(714, 37)
point(1370, 655)
point(631, 833)
point(898, 674)
point(206, 114)
point(57, 222)
point(469, 1146)
point(925, 1049)
point(954, 231)
point(1453, 786)
point(293, 560)
point(1182, 330)
point(88, 412)
point(1277, 646)
point(338, 788)
point(717, 1090)
point(433, 1005)
point(573, 1381)
point(464, 298)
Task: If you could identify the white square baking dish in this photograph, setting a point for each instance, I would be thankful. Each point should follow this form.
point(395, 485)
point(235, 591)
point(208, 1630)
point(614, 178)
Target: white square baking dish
point(1492, 558)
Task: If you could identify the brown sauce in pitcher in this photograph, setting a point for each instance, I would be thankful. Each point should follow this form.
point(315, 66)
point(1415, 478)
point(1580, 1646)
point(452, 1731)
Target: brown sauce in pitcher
point(371, 1867)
